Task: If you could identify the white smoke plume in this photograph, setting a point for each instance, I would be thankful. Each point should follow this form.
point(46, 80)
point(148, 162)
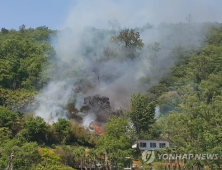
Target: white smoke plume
point(78, 69)
point(88, 119)
point(52, 100)
point(157, 112)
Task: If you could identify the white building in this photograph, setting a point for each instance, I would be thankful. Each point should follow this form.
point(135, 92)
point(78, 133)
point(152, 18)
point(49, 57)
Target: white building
point(151, 144)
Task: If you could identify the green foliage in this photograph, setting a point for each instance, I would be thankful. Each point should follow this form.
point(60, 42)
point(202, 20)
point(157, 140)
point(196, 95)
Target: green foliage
point(154, 49)
point(214, 36)
point(142, 113)
point(169, 101)
point(130, 42)
point(116, 142)
point(50, 160)
point(81, 135)
point(7, 117)
point(189, 98)
point(16, 99)
point(130, 38)
point(190, 102)
point(63, 130)
point(52, 167)
point(5, 135)
point(34, 129)
point(159, 165)
point(67, 154)
point(4, 31)
point(5, 150)
point(79, 153)
point(50, 157)
point(22, 56)
point(25, 156)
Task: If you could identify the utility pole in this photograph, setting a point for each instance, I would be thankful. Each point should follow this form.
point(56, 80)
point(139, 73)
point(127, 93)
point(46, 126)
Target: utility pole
point(189, 18)
point(10, 165)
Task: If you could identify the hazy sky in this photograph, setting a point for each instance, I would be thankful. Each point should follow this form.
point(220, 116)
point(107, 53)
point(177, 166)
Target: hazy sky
point(34, 13)
point(57, 14)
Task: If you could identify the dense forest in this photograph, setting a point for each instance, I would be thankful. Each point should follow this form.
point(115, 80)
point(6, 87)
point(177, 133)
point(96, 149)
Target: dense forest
point(178, 97)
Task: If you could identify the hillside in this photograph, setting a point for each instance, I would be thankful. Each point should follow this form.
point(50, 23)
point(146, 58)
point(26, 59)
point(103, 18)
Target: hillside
point(163, 82)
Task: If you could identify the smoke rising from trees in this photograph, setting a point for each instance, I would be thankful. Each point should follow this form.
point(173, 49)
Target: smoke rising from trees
point(90, 59)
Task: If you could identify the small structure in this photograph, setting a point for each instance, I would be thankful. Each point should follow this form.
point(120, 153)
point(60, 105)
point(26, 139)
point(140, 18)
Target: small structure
point(151, 144)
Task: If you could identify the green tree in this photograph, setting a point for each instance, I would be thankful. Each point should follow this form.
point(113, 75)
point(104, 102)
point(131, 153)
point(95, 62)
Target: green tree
point(5, 135)
point(22, 28)
point(130, 38)
point(142, 113)
point(115, 144)
point(49, 157)
point(7, 148)
point(4, 31)
point(5, 73)
point(79, 155)
point(7, 117)
point(131, 42)
point(52, 167)
point(66, 153)
point(50, 160)
point(63, 130)
point(22, 56)
point(34, 129)
point(16, 99)
point(25, 156)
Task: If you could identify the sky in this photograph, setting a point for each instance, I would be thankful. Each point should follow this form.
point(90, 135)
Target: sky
point(57, 14)
point(34, 13)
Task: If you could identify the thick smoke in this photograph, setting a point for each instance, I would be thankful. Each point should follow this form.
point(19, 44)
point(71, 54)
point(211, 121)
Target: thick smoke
point(89, 62)
point(53, 99)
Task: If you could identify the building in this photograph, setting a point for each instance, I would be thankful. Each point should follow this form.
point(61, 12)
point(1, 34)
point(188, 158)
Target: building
point(149, 144)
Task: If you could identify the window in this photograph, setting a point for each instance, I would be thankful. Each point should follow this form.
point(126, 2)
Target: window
point(162, 145)
point(152, 145)
point(142, 145)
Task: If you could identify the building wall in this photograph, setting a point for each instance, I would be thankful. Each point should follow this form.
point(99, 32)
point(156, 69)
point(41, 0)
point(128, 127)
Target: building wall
point(150, 144)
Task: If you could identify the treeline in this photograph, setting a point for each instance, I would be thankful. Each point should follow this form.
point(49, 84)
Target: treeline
point(23, 56)
point(36, 143)
point(28, 142)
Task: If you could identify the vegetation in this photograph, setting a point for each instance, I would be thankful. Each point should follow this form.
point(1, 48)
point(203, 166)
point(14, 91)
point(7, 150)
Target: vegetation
point(193, 123)
point(142, 113)
point(189, 99)
point(130, 42)
point(116, 142)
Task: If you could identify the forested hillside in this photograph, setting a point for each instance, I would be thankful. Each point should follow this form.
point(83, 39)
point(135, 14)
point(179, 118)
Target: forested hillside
point(24, 55)
point(168, 88)
point(190, 101)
